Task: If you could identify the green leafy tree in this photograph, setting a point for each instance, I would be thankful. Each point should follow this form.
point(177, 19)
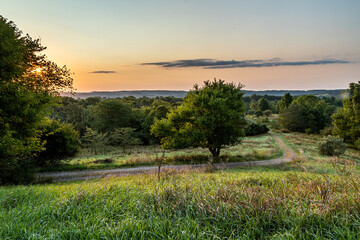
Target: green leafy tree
point(263, 104)
point(211, 117)
point(94, 140)
point(123, 137)
point(71, 111)
point(347, 119)
point(306, 113)
point(253, 105)
point(110, 114)
point(158, 110)
point(285, 102)
point(28, 84)
point(61, 141)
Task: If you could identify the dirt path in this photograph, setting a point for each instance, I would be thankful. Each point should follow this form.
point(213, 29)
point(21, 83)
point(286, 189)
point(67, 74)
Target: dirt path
point(288, 156)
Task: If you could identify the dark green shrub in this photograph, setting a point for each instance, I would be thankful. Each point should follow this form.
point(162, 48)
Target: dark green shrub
point(327, 131)
point(267, 113)
point(332, 146)
point(308, 131)
point(275, 125)
point(61, 141)
point(251, 112)
point(256, 129)
point(259, 113)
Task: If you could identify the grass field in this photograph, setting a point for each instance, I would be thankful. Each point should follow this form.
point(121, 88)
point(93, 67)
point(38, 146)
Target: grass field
point(309, 159)
point(251, 149)
point(258, 203)
point(314, 197)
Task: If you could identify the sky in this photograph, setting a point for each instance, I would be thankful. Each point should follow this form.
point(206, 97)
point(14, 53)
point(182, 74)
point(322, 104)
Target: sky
point(113, 45)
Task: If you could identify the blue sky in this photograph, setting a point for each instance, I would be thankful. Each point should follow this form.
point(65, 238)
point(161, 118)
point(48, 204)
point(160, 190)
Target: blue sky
point(119, 36)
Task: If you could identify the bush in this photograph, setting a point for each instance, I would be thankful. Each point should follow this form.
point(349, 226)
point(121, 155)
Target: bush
point(275, 125)
point(251, 112)
point(284, 130)
point(327, 131)
point(259, 113)
point(357, 144)
point(308, 131)
point(61, 141)
point(256, 129)
point(332, 146)
point(267, 113)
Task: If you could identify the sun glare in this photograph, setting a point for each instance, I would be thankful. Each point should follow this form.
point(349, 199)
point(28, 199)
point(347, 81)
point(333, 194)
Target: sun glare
point(38, 70)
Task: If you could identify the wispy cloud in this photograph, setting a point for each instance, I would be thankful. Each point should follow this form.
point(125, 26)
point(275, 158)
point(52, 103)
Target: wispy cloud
point(216, 64)
point(102, 71)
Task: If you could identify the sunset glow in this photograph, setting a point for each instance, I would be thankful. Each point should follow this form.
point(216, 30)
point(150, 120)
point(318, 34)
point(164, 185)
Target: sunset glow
point(173, 45)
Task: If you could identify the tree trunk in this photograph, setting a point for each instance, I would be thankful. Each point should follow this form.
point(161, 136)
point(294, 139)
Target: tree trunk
point(215, 152)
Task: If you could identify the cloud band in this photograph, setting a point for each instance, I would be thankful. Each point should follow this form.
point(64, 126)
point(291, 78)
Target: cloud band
point(217, 64)
point(102, 71)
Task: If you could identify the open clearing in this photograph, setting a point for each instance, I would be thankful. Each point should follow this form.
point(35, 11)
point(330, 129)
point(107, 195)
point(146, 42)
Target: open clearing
point(288, 155)
point(311, 197)
point(250, 149)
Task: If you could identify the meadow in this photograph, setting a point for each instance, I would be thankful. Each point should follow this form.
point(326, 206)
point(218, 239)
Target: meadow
point(310, 160)
point(313, 197)
point(250, 149)
point(259, 203)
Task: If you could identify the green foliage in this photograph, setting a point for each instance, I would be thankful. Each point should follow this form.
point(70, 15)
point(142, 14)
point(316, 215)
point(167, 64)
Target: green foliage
point(71, 111)
point(263, 104)
point(110, 114)
point(211, 117)
point(253, 105)
point(251, 112)
point(25, 98)
point(327, 131)
point(285, 102)
point(61, 141)
point(123, 137)
point(256, 129)
point(259, 113)
point(306, 113)
point(267, 113)
point(94, 140)
point(332, 146)
point(158, 110)
point(347, 118)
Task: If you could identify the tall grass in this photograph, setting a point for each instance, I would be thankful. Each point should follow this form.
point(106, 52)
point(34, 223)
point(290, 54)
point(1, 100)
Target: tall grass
point(310, 159)
point(251, 149)
point(233, 204)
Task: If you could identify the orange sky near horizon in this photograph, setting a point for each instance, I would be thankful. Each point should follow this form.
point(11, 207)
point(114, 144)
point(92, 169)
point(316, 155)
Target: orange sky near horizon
point(265, 78)
point(119, 36)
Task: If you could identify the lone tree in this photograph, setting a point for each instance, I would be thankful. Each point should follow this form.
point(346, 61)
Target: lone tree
point(285, 102)
point(28, 84)
point(263, 104)
point(210, 117)
point(347, 119)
